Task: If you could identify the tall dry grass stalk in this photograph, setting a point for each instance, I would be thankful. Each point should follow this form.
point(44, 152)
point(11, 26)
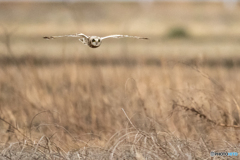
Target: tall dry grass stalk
point(71, 110)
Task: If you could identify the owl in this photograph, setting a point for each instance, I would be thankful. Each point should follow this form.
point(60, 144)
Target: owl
point(93, 41)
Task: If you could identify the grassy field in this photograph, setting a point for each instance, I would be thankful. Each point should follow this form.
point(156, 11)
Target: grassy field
point(175, 96)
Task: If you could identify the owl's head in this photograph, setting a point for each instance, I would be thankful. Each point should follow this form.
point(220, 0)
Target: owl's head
point(94, 41)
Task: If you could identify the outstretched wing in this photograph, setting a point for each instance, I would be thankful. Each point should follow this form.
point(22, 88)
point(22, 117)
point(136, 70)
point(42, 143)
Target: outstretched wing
point(123, 36)
point(70, 35)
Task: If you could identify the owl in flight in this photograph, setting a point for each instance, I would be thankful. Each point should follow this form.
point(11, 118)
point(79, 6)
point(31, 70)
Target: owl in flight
point(92, 41)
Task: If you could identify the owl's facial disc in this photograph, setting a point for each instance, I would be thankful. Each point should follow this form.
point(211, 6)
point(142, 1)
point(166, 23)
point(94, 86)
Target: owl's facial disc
point(96, 41)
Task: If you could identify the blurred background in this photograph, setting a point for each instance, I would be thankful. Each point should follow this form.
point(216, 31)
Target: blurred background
point(192, 59)
point(204, 28)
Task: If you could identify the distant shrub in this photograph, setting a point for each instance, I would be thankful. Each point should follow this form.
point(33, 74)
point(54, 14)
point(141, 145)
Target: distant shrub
point(177, 32)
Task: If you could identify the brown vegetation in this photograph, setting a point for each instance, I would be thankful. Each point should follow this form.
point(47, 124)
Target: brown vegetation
point(163, 99)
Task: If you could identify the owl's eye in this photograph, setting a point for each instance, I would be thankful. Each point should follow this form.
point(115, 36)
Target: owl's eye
point(93, 40)
point(98, 40)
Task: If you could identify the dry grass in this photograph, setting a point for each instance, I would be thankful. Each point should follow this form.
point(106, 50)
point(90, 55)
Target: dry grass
point(162, 99)
point(75, 108)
